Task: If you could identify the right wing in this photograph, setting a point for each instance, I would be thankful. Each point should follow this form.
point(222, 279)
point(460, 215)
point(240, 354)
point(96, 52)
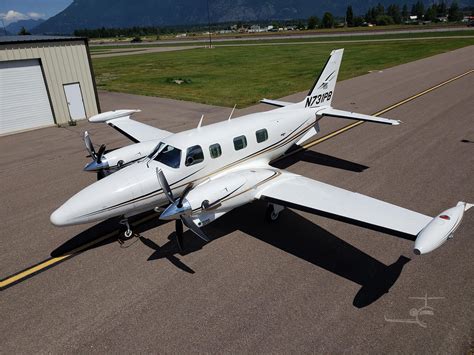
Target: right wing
point(329, 201)
point(134, 130)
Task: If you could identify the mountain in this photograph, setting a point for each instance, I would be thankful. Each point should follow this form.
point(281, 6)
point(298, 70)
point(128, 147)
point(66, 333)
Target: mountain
point(15, 27)
point(127, 13)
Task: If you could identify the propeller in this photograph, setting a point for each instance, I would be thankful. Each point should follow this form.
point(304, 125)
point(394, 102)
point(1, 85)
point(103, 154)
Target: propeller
point(97, 163)
point(178, 210)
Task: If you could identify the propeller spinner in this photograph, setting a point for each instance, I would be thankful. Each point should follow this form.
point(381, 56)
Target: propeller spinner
point(179, 210)
point(98, 162)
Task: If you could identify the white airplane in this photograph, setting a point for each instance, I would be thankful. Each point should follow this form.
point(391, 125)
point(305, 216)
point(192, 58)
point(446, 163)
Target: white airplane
point(203, 173)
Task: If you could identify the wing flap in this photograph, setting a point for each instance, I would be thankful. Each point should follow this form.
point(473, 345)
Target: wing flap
point(136, 131)
point(319, 198)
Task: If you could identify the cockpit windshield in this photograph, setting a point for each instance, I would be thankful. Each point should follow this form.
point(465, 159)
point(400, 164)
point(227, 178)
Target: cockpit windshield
point(167, 155)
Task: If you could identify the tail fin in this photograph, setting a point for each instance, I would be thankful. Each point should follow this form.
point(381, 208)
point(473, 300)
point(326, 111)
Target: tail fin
point(323, 89)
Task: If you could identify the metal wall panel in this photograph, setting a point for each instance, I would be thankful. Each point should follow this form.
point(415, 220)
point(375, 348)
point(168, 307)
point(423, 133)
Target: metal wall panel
point(24, 102)
point(63, 62)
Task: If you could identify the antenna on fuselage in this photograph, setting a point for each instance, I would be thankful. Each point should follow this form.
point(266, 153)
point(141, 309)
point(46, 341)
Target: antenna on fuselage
point(200, 121)
point(230, 116)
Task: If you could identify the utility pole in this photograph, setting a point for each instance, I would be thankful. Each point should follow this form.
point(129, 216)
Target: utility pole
point(209, 22)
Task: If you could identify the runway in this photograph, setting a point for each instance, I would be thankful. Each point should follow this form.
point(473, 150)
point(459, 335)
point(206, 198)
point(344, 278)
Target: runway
point(304, 284)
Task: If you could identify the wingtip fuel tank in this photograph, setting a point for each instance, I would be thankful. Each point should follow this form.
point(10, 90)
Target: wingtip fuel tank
point(440, 229)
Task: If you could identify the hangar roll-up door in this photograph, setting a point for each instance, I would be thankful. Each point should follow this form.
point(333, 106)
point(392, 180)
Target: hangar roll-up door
point(24, 102)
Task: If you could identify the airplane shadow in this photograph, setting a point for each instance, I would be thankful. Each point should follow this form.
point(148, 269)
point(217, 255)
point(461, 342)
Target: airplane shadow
point(292, 233)
point(300, 237)
point(313, 157)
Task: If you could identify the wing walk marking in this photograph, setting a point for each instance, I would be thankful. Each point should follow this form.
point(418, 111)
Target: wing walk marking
point(42, 266)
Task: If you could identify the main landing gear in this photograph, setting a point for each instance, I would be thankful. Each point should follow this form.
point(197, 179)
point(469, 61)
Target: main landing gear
point(273, 212)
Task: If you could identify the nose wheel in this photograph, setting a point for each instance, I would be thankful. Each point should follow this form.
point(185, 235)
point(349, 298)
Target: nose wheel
point(273, 212)
point(128, 233)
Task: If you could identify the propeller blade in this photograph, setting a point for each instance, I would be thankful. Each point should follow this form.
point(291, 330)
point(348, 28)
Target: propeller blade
point(188, 222)
point(100, 153)
point(179, 234)
point(89, 145)
point(164, 185)
point(183, 196)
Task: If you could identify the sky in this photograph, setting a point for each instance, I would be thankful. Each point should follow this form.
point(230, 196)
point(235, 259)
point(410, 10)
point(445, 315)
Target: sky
point(14, 10)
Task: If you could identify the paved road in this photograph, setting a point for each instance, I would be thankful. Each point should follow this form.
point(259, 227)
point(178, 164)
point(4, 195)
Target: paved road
point(293, 35)
point(131, 51)
point(306, 284)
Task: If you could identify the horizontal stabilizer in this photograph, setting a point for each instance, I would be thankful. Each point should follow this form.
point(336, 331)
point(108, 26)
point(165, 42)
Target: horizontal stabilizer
point(331, 112)
point(276, 102)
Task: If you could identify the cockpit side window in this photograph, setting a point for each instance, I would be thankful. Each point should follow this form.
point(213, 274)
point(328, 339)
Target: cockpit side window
point(194, 155)
point(169, 156)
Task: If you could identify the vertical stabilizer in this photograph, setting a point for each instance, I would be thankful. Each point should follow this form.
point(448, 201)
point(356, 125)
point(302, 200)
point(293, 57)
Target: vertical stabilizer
point(322, 92)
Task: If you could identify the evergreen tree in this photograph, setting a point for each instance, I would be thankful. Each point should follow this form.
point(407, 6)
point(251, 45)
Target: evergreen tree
point(393, 11)
point(328, 20)
point(349, 16)
point(23, 32)
point(430, 14)
point(418, 9)
point(441, 9)
point(405, 12)
point(312, 23)
point(454, 14)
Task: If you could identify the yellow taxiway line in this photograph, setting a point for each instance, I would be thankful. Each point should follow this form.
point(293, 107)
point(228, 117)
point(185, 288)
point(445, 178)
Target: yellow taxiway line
point(22, 275)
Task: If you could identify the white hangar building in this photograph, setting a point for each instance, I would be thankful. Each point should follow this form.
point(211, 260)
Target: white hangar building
point(45, 81)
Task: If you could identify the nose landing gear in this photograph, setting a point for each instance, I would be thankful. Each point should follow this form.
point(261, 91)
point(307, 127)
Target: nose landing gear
point(128, 233)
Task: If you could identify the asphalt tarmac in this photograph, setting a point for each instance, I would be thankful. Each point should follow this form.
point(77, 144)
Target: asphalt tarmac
point(303, 284)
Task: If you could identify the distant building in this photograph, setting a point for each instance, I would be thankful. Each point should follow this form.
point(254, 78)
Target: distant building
point(44, 81)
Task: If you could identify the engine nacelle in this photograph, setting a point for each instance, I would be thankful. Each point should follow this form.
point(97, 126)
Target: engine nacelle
point(440, 229)
point(118, 158)
point(215, 197)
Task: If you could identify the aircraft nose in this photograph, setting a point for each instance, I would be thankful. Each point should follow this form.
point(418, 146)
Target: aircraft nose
point(59, 217)
point(109, 197)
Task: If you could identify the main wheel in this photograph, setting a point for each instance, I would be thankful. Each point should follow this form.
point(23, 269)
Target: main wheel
point(271, 215)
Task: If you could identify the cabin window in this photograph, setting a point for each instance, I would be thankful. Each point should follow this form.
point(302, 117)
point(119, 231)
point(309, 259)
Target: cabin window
point(262, 135)
point(215, 150)
point(167, 155)
point(240, 142)
point(194, 155)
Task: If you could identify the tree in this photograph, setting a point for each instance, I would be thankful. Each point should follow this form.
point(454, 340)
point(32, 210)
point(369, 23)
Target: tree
point(380, 9)
point(349, 16)
point(441, 9)
point(454, 14)
point(430, 14)
point(23, 32)
point(358, 21)
point(312, 23)
point(328, 20)
point(418, 9)
point(384, 20)
point(405, 13)
point(394, 12)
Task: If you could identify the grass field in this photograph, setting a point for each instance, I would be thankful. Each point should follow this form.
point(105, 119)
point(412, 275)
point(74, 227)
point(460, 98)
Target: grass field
point(226, 76)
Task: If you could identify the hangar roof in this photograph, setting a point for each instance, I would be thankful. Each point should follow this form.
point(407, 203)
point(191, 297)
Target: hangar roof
point(34, 38)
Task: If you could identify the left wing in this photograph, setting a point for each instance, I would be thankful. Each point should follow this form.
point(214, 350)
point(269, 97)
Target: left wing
point(134, 130)
point(329, 201)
